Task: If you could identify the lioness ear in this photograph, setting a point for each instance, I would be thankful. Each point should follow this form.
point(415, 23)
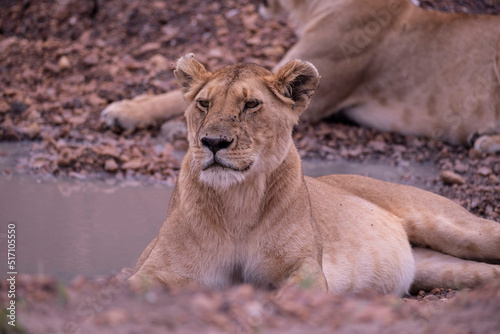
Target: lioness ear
point(191, 76)
point(297, 80)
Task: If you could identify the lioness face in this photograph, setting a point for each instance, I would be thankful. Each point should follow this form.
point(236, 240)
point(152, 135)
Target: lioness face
point(239, 119)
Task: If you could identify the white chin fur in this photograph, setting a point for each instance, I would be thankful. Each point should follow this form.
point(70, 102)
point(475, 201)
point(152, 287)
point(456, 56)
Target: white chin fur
point(221, 178)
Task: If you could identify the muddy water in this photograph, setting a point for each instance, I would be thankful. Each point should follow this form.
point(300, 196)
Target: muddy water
point(68, 227)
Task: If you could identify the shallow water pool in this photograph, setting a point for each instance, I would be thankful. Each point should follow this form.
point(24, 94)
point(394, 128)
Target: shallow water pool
point(68, 227)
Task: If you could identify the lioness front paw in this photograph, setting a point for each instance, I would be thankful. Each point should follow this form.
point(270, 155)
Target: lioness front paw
point(128, 114)
point(487, 143)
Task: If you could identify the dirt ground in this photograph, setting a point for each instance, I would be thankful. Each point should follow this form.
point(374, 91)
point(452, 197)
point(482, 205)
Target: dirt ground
point(62, 62)
point(112, 306)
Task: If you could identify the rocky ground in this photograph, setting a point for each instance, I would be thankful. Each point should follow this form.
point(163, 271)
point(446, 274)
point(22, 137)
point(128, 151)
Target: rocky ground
point(112, 306)
point(62, 62)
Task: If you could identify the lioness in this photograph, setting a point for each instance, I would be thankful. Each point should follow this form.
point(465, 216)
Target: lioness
point(243, 212)
point(386, 64)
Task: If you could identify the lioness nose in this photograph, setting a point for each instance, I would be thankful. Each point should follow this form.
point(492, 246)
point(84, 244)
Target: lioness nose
point(216, 144)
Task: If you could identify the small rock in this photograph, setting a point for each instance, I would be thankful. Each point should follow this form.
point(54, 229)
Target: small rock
point(170, 32)
point(51, 67)
point(64, 63)
point(431, 298)
point(273, 51)
point(377, 146)
point(232, 13)
point(79, 176)
point(152, 46)
point(475, 202)
point(249, 21)
point(66, 158)
point(11, 91)
point(475, 154)
point(215, 53)
point(460, 167)
point(106, 151)
point(111, 318)
point(484, 171)
point(111, 166)
point(56, 119)
point(130, 63)
point(77, 120)
point(4, 107)
point(355, 152)
point(8, 130)
point(399, 148)
point(96, 101)
point(159, 62)
point(134, 164)
point(7, 43)
point(31, 131)
point(338, 134)
point(91, 60)
point(449, 178)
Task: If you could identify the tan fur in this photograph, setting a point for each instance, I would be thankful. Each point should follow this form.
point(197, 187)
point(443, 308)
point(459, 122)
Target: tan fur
point(254, 218)
point(386, 64)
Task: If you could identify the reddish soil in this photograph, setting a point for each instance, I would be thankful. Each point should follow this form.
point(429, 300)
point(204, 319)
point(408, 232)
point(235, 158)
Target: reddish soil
point(111, 306)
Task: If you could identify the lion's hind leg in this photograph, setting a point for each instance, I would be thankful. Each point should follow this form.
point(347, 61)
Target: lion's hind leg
point(456, 232)
point(438, 270)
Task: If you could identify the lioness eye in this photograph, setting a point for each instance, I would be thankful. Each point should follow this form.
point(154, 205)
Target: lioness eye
point(203, 104)
point(251, 104)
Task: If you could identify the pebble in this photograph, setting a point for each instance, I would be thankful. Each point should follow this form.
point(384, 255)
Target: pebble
point(64, 63)
point(91, 60)
point(51, 67)
point(134, 164)
point(484, 171)
point(449, 178)
point(159, 62)
point(431, 298)
point(111, 318)
point(377, 146)
point(111, 166)
point(66, 158)
point(32, 130)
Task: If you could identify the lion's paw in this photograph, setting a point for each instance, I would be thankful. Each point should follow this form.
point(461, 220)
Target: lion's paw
point(128, 114)
point(488, 143)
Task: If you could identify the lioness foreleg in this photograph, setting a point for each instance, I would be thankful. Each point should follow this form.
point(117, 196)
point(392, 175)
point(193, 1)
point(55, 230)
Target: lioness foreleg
point(144, 110)
point(309, 275)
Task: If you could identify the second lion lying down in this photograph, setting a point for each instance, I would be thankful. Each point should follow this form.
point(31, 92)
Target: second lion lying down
point(243, 212)
point(385, 64)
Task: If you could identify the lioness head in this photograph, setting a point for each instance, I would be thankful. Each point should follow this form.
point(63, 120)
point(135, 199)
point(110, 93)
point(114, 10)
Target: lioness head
point(240, 117)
